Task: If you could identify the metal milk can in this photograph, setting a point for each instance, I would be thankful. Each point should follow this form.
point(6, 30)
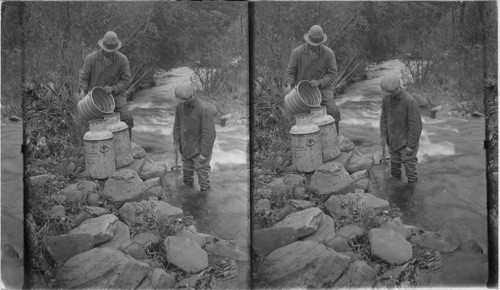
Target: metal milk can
point(327, 133)
point(121, 140)
point(306, 144)
point(99, 150)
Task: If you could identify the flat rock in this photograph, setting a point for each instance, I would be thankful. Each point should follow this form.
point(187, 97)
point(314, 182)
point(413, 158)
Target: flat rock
point(397, 227)
point(146, 239)
point(300, 193)
point(390, 246)
point(101, 268)
point(228, 250)
point(293, 180)
point(369, 201)
point(95, 211)
point(94, 199)
point(358, 175)
point(58, 211)
point(136, 251)
point(302, 265)
point(305, 221)
point(359, 274)
point(331, 179)
point(447, 240)
point(152, 169)
point(345, 144)
point(350, 231)
point(301, 204)
point(40, 180)
point(152, 182)
point(262, 205)
point(162, 280)
point(120, 239)
point(137, 151)
point(135, 166)
point(123, 186)
point(265, 241)
point(137, 213)
point(325, 231)
point(343, 159)
point(281, 213)
point(358, 163)
point(63, 247)
point(192, 234)
point(100, 228)
point(185, 254)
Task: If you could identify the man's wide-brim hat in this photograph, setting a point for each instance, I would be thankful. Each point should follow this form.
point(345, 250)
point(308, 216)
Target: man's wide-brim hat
point(315, 36)
point(110, 42)
point(184, 91)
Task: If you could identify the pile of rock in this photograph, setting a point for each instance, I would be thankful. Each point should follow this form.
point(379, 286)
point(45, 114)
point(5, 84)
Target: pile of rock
point(99, 250)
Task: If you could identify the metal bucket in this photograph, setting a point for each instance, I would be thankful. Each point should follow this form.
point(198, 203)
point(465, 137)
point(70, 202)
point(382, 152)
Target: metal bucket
point(306, 144)
point(121, 139)
point(302, 98)
point(327, 133)
point(95, 104)
point(99, 150)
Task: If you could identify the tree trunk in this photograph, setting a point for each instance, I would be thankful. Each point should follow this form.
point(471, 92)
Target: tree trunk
point(489, 19)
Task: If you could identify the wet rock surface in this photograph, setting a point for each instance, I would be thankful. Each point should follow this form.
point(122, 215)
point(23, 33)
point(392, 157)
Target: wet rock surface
point(123, 186)
point(305, 222)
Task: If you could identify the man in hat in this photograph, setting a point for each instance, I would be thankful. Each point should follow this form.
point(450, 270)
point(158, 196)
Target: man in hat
point(194, 135)
point(316, 63)
point(109, 69)
point(400, 128)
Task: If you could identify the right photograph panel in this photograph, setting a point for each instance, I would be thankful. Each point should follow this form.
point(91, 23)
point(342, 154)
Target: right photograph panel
point(368, 166)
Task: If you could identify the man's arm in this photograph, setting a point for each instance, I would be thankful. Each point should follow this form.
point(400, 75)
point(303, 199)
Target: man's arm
point(207, 132)
point(291, 70)
point(414, 124)
point(85, 73)
point(124, 79)
point(383, 123)
point(331, 71)
point(177, 127)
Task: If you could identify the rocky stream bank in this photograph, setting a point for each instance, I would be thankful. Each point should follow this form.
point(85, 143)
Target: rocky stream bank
point(121, 233)
point(330, 230)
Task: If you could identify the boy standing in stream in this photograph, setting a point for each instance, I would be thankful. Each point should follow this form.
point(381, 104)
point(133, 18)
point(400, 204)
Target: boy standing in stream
point(194, 136)
point(400, 128)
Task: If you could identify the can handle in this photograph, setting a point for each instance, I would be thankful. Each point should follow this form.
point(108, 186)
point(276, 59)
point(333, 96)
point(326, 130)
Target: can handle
point(104, 148)
point(310, 142)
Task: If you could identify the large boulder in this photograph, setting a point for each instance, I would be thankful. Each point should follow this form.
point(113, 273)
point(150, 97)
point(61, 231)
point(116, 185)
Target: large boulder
point(100, 228)
point(331, 179)
point(358, 163)
point(302, 265)
point(185, 254)
point(152, 169)
point(138, 213)
point(390, 246)
point(305, 221)
point(137, 151)
point(265, 241)
point(121, 238)
point(123, 186)
point(63, 247)
point(359, 274)
point(325, 231)
point(101, 268)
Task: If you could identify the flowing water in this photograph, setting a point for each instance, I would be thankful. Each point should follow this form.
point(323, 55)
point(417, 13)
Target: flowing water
point(223, 211)
point(12, 206)
point(452, 174)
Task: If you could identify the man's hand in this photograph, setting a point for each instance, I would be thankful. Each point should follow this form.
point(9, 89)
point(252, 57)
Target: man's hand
point(288, 88)
point(314, 83)
point(108, 89)
point(82, 95)
point(202, 158)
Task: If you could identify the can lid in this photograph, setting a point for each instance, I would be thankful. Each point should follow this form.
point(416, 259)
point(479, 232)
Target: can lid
point(97, 135)
point(304, 129)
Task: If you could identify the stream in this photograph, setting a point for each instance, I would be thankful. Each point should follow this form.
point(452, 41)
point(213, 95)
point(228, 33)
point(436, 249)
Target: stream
point(452, 175)
point(224, 210)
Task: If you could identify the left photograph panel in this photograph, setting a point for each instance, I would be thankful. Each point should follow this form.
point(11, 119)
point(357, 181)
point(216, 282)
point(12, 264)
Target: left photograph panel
point(134, 122)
